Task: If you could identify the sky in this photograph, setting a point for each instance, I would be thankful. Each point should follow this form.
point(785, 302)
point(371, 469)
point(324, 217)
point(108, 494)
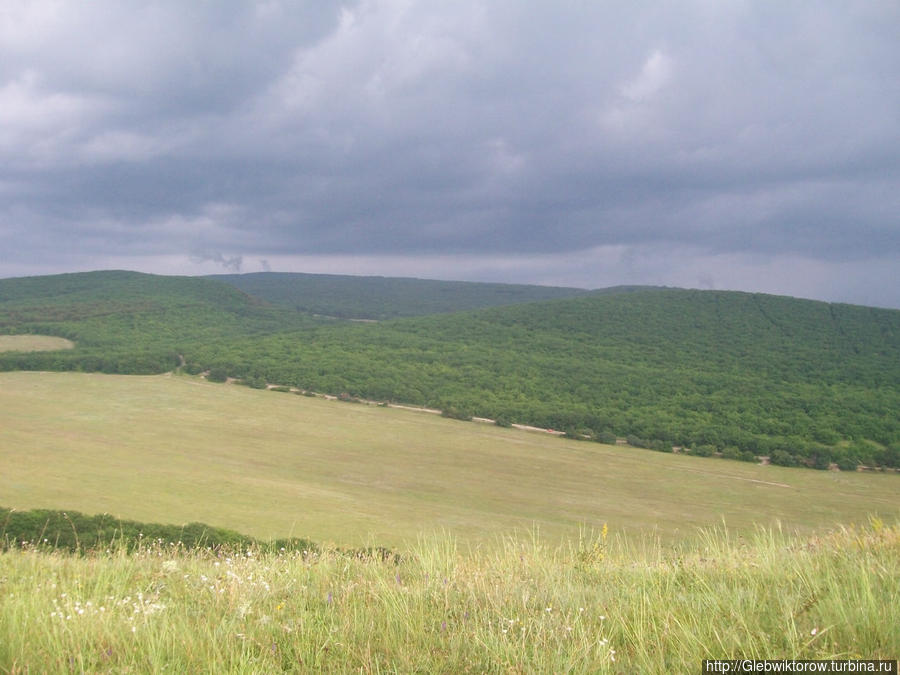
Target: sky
point(745, 145)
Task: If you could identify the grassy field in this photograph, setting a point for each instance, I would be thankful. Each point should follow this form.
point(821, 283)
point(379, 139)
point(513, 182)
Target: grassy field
point(178, 449)
point(608, 605)
point(33, 343)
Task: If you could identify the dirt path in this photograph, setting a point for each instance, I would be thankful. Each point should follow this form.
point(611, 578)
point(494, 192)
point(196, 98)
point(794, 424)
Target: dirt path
point(525, 427)
point(408, 407)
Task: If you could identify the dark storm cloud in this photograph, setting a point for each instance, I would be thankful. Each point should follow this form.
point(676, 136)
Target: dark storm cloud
point(530, 136)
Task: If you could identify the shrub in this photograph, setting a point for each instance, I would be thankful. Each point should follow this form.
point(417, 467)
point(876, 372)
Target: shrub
point(821, 458)
point(731, 452)
point(889, 456)
point(863, 452)
point(607, 437)
point(76, 532)
point(705, 450)
point(455, 413)
point(660, 445)
point(217, 375)
point(847, 462)
point(254, 382)
point(782, 458)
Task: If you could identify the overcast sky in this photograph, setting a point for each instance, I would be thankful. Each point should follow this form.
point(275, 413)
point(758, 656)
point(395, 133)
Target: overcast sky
point(712, 144)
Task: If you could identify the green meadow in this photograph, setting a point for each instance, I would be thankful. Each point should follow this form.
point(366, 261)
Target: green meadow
point(177, 449)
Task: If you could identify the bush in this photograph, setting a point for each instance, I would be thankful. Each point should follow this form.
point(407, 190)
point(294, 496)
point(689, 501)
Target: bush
point(889, 456)
point(254, 382)
point(75, 532)
point(456, 414)
point(607, 437)
point(782, 458)
point(863, 452)
point(847, 462)
point(705, 450)
point(217, 375)
point(824, 434)
point(731, 452)
point(821, 459)
point(502, 421)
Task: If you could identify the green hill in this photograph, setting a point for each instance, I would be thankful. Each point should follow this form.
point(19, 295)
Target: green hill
point(737, 374)
point(127, 322)
point(715, 371)
point(360, 297)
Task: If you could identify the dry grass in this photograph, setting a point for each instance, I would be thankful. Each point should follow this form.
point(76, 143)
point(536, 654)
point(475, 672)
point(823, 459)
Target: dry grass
point(597, 606)
point(178, 449)
point(33, 343)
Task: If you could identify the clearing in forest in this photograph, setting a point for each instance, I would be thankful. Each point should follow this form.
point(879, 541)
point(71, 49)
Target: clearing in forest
point(33, 343)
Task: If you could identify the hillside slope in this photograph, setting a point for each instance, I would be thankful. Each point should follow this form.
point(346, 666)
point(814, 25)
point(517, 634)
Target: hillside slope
point(369, 297)
point(747, 372)
point(127, 322)
point(737, 373)
point(178, 449)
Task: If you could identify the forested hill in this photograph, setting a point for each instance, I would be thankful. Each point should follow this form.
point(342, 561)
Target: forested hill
point(739, 373)
point(115, 289)
point(360, 297)
point(128, 322)
point(746, 373)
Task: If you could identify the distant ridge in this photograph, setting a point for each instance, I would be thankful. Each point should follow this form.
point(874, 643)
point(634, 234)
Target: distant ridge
point(377, 297)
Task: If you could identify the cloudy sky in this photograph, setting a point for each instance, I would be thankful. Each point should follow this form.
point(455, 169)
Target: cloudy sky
point(735, 145)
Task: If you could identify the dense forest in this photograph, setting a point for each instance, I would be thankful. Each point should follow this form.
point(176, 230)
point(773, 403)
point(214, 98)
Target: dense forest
point(730, 374)
point(127, 322)
point(351, 297)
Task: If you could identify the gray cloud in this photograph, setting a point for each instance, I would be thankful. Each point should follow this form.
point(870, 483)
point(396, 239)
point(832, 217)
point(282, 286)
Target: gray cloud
point(492, 135)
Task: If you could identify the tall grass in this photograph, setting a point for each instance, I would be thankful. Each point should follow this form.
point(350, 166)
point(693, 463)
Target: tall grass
point(601, 604)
